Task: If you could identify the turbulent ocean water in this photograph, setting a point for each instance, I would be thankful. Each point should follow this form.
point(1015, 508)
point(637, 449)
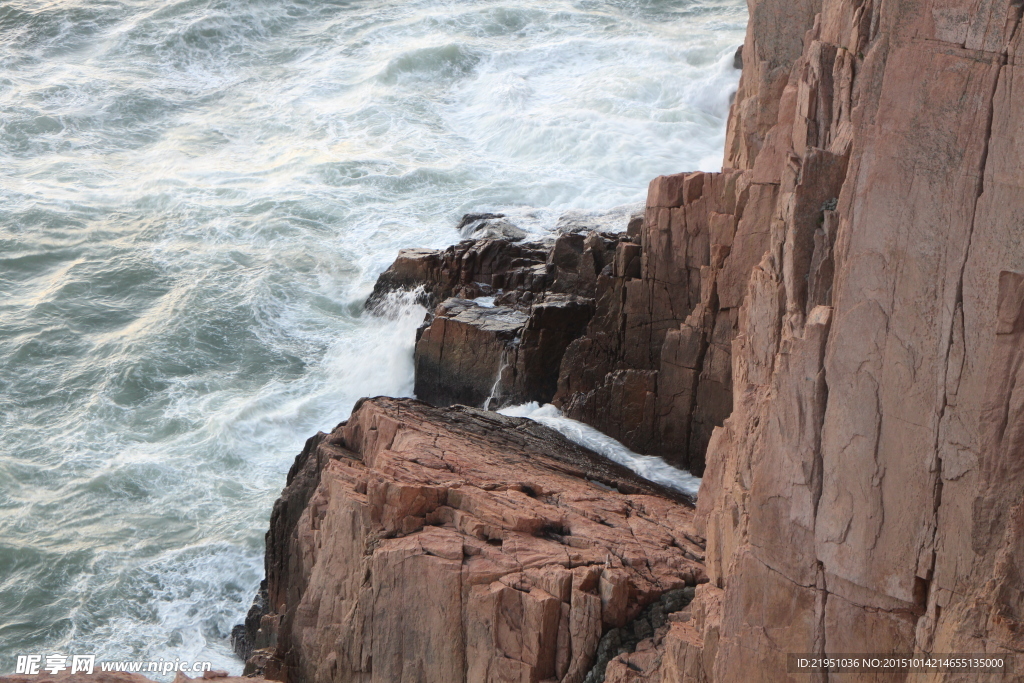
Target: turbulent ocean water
point(195, 199)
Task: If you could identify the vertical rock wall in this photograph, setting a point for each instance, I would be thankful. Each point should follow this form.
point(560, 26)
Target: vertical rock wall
point(865, 495)
point(655, 368)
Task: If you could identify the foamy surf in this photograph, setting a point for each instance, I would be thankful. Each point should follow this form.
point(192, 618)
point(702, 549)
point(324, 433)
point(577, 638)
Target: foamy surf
point(649, 467)
point(195, 201)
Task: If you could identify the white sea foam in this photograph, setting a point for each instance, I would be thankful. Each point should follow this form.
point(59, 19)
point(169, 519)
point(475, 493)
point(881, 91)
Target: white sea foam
point(649, 467)
point(195, 200)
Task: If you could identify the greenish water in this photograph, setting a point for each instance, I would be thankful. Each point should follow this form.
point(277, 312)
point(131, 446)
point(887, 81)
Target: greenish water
point(195, 199)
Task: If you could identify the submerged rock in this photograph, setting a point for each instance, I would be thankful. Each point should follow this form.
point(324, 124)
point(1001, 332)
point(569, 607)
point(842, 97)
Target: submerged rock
point(495, 229)
point(470, 220)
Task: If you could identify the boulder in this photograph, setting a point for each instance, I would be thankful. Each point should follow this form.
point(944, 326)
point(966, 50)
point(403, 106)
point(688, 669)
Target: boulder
point(493, 356)
point(469, 269)
point(471, 220)
point(461, 353)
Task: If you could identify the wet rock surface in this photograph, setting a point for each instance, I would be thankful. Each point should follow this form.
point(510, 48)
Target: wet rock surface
point(461, 353)
point(467, 270)
point(492, 356)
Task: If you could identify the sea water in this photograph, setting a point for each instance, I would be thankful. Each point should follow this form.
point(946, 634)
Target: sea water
point(195, 199)
point(649, 467)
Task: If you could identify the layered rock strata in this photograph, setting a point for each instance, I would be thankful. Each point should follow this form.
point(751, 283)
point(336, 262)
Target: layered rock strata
point(422, 544)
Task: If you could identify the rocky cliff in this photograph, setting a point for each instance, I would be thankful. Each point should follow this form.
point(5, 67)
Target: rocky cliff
point(832, 328)
point(865, 493)
point(420, 544)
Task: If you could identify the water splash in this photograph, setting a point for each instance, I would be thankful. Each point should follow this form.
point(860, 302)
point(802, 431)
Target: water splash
point(649, 467)
point(494, 399)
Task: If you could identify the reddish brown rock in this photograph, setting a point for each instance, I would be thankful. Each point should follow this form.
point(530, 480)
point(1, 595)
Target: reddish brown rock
point(460, 355)
point(850, 500)
point(653, 369)
point(467, 270)
point(847, 292)
point(414, 543)
point(552, 325)
point(519, 272)
point(79, 677)
point(614, 363)
point(467, 353)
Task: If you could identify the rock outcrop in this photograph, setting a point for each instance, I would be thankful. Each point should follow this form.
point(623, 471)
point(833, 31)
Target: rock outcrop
point(493, 356)
point(833, 326)
point(423, 544)
point(625, 331)
point(521, 273)
point(541, 296)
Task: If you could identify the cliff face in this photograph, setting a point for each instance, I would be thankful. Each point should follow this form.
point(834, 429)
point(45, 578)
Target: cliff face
point(865, 494)
point(422, 544)
point(834, 324)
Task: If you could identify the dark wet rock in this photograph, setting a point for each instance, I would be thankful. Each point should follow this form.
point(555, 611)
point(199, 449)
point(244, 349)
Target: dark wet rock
point(246, 637)
point(645, 352)
point(459, 355)
point(497, 228)
point(648, 625)
point(496, 356)
point(470, 219)
point(611, 221)
point(466, 270)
